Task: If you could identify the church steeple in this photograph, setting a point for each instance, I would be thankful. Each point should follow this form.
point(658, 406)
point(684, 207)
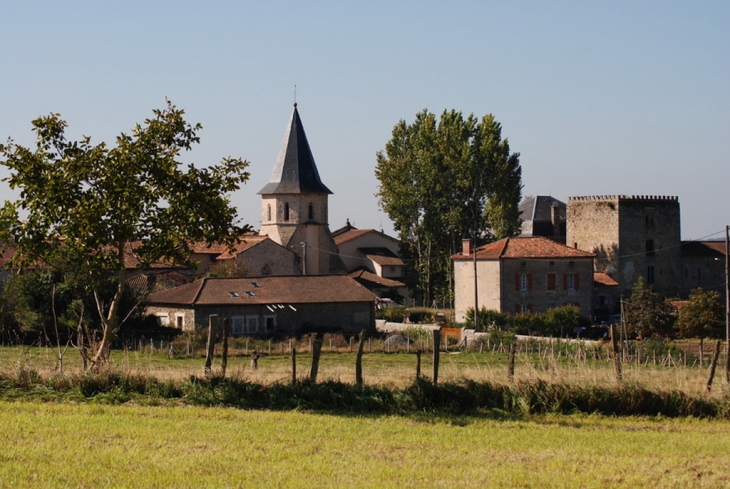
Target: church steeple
point(295, 171)
point(294, 205)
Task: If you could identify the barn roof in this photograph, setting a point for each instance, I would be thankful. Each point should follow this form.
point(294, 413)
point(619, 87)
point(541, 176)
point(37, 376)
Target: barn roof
point(302, 289)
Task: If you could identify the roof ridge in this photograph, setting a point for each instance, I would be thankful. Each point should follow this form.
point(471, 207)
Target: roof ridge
point(200, 289)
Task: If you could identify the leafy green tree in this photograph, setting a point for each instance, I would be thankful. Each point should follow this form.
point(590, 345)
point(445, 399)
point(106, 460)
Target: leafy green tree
point(86, 207)
point(489, 319)
point(646, 313)
point(442, 181)
point(703, 316)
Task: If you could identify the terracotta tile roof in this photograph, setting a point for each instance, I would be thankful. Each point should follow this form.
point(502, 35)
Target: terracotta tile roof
point(373, 280)
point(382, 256)
point(351, 234)
point(524, 247)
point(602, 278)
point(303, 289)
point(244, 244)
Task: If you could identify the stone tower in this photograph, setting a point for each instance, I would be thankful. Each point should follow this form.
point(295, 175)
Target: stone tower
point(632, 236)
point(294, 205)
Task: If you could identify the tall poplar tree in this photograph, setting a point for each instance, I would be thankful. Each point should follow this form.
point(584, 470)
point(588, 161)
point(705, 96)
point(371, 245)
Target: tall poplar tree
point(442, 181)
point(86, 207)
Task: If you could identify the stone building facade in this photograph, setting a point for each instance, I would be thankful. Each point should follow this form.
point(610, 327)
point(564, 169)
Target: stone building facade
point(631, 236)
point(524, 274)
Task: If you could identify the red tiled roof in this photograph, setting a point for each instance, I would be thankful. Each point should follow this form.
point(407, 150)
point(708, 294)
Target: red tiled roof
point(303, 289)
point(368, 278)
point(524, 247)
point(351, 234)
point(244, 244)
point(601, 278)
point(382, 256)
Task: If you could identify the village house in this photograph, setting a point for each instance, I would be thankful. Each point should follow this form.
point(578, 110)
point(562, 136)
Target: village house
point(521, 275)
point(371, 258)
point(269, 305)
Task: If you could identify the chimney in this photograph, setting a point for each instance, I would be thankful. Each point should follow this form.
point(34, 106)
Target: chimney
point(555, 219)
point(467, 247)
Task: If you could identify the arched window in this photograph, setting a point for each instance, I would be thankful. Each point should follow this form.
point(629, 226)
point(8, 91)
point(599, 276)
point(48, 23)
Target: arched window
point(268, 213)
point(311, 212)
point(286, 211)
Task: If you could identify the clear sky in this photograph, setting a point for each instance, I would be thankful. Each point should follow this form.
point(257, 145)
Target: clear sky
point(620, 97)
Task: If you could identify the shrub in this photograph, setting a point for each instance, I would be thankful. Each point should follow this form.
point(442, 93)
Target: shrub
point(421, 315)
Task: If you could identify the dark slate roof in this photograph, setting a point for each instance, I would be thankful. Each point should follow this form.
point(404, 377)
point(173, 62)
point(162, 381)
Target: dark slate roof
point(302, 289)
point(295, 171)
point(709, 249)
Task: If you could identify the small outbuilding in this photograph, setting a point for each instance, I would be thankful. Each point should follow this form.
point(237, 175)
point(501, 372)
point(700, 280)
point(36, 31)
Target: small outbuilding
point(269, 305)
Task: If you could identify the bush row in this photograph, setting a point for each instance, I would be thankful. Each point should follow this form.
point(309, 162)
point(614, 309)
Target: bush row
point(468, 397)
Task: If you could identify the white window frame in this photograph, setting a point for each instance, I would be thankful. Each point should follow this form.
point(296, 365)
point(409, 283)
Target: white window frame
point(571, 281)
point(180, 315)
point(163, 318)
point(241, 321)
point(523, 282)
point(252, 324)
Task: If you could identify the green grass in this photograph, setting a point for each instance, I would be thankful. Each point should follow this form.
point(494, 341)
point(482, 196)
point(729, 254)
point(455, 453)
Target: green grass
point(56, 445)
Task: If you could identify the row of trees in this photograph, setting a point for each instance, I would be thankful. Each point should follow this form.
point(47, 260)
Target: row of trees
point(647, 314)
point(444, 180)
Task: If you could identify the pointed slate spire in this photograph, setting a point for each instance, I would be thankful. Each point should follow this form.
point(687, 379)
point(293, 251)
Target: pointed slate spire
point(295, 171)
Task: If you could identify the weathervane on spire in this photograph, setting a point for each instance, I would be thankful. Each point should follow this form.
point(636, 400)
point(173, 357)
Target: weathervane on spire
point(295, 95)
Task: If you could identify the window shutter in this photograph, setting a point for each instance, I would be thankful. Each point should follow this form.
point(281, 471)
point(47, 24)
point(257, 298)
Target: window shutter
point(517, 282)
point(551, 281)
point(518, 309)
point(529, 307)
point(565, 281)
point(529, 281)
point(576, 281)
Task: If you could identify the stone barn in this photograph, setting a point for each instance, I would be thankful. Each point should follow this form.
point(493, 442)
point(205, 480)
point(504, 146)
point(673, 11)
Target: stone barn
point(269, 306)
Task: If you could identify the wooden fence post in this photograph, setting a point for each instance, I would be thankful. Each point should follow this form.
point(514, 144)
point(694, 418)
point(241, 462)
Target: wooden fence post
point(511, 362)
point(418, 364)
point(713, 366)
point(294, 366)
point(317, 349)
point(224, 360)
point(616, 357)
point(358, 359)
point(436, 345)
point(212, 323)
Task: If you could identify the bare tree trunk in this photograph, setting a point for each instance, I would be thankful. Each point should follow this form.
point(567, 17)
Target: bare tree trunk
point(212, 324)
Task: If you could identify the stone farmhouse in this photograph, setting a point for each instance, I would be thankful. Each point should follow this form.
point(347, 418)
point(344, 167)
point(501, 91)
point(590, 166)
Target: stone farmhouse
point(520, 275)
point(269, 305)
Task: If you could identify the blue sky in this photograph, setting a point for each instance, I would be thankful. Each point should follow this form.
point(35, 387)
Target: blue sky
point(598, 97)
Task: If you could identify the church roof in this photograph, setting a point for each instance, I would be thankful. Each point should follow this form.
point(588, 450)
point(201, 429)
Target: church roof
point(295, 171)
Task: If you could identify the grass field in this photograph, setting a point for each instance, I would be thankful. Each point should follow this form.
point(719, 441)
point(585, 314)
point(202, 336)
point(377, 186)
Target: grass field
point(60, 445)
